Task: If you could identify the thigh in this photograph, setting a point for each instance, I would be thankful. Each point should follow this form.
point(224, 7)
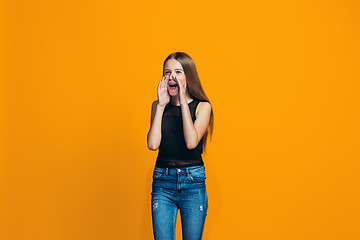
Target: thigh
point(193, 211)
point(164, 213)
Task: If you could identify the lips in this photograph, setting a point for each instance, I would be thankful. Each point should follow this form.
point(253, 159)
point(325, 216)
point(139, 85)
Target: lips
point(173, 85)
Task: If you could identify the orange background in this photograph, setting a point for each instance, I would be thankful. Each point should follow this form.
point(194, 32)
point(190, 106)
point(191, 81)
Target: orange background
point(77, 82)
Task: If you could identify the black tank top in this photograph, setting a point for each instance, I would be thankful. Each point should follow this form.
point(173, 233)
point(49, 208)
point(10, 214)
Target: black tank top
point(173, 152)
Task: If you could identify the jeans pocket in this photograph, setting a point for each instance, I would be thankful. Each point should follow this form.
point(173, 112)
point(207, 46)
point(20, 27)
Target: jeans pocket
point(158, 174)
point(197, 175)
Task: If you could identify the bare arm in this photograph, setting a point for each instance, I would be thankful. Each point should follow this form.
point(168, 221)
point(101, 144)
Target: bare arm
point(157, 110)
point(154, 134)
point(193, 132)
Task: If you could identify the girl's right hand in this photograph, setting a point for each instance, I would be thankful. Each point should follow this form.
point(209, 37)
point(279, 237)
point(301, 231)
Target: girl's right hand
point(163, 94)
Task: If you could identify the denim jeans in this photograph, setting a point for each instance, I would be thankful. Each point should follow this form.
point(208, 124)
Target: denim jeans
point(179, 188)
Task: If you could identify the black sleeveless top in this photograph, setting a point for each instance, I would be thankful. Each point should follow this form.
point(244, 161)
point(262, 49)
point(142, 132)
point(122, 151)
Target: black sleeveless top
point(173, 152)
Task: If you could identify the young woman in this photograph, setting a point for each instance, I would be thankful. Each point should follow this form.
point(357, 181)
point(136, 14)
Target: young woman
point(181, 119)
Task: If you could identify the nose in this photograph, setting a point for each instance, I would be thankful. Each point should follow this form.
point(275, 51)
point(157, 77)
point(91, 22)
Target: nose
point(172, 76)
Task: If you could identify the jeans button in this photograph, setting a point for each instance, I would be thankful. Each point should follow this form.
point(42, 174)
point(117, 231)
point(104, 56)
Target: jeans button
point(179, 170)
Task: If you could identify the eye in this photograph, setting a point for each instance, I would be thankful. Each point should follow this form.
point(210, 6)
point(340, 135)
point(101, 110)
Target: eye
point(178, 71)
point(167, 72)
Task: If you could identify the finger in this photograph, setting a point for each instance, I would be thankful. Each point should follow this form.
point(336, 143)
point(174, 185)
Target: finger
point(162, 82)
point(176, 80)
point(165, 81)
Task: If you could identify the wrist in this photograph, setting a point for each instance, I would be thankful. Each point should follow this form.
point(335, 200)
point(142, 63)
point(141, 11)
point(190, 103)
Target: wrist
point(183, 100)
point(160, 105)
point(183, 103)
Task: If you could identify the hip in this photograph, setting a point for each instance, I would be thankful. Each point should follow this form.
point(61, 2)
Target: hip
point(179, 178)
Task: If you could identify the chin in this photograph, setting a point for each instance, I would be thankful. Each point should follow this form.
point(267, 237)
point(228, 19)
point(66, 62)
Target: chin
point(173, 92)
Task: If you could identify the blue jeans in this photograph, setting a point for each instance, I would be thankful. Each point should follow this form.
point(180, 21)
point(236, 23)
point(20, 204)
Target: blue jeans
point(179, 188)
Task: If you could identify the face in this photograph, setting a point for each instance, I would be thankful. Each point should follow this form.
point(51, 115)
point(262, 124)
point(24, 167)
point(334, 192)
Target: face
point(174, 70)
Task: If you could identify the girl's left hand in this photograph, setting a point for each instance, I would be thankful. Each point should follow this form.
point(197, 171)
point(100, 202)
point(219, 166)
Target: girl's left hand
point(182, 91)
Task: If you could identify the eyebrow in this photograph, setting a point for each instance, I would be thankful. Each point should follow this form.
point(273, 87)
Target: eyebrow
point(175, 69)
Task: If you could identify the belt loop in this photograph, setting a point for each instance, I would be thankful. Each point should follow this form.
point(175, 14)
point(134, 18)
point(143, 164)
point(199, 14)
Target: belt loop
point(167, 171)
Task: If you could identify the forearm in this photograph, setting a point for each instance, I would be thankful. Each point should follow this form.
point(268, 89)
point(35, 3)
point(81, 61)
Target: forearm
point(190, 133)
point(154, 134)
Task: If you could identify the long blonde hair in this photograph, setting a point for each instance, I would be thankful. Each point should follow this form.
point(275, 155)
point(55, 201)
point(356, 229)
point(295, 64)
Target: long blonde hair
point(194, 86)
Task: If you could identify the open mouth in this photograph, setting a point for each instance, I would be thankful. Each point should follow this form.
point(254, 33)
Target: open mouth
point(173, 86)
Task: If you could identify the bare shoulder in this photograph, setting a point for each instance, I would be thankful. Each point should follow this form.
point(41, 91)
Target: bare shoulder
point(203, 107)
point(153, 106)
point(155, 102)
point(153, 110)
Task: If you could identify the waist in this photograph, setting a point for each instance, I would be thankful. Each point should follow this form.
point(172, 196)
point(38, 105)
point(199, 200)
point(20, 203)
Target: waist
point(171, 163)
point(181, 169)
